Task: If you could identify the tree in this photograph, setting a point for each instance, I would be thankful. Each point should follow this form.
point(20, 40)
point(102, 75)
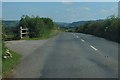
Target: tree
point(108, 28)
point(37, 26)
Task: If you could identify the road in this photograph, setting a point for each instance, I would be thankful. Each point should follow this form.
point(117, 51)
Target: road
point(67, 55)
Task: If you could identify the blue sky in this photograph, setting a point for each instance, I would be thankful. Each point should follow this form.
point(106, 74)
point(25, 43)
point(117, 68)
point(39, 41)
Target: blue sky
point(59, 0)
point(60, 11)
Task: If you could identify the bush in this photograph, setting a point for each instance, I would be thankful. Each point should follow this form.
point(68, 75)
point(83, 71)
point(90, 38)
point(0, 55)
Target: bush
point(108, 28)
point(38, 27)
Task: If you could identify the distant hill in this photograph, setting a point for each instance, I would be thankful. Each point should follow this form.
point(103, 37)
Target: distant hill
point(71, 25)
point(62, 24)
point(77, 24)
point(9, 23)
point(14, 23)
point(74, 24)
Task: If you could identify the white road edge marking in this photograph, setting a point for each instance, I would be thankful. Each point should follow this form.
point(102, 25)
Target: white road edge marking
point(77, 36)
point(93, 48)
point(82, 40)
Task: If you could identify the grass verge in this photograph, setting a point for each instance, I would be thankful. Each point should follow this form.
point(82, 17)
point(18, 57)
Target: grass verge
point(9, 64)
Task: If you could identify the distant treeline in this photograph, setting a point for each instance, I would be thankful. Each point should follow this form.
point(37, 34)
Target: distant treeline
point(10, 23)
point(108, 28)
point(9, 29)
point(10, 33)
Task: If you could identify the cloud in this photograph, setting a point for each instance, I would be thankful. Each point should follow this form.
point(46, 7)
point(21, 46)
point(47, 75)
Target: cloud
point(86, 8)
point(114, 8)
point(68, 9)
point(111, 11)
point(104, 11)
point(57, 12)
point(68, 2)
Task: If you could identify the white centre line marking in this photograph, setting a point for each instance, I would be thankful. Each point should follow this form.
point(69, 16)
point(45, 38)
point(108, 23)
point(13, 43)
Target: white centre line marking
point(82, 40)
point(93, 48)
point(77, 36)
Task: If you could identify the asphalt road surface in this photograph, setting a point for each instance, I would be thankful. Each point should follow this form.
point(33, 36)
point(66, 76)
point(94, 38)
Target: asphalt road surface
point(67, 55)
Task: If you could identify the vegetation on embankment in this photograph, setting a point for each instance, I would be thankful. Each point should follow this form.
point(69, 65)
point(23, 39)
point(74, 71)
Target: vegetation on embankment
point(0, 48)
point(9, 59)
point(39, 28)
point(108, 28)
point(9, 33)
point(8, 64)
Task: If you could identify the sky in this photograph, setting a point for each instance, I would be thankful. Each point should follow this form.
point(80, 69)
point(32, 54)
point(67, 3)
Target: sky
point(0, 10)
point(59, 0)
point(60, 11)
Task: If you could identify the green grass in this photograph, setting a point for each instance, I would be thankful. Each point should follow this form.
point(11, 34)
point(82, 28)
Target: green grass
point(8, 64)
